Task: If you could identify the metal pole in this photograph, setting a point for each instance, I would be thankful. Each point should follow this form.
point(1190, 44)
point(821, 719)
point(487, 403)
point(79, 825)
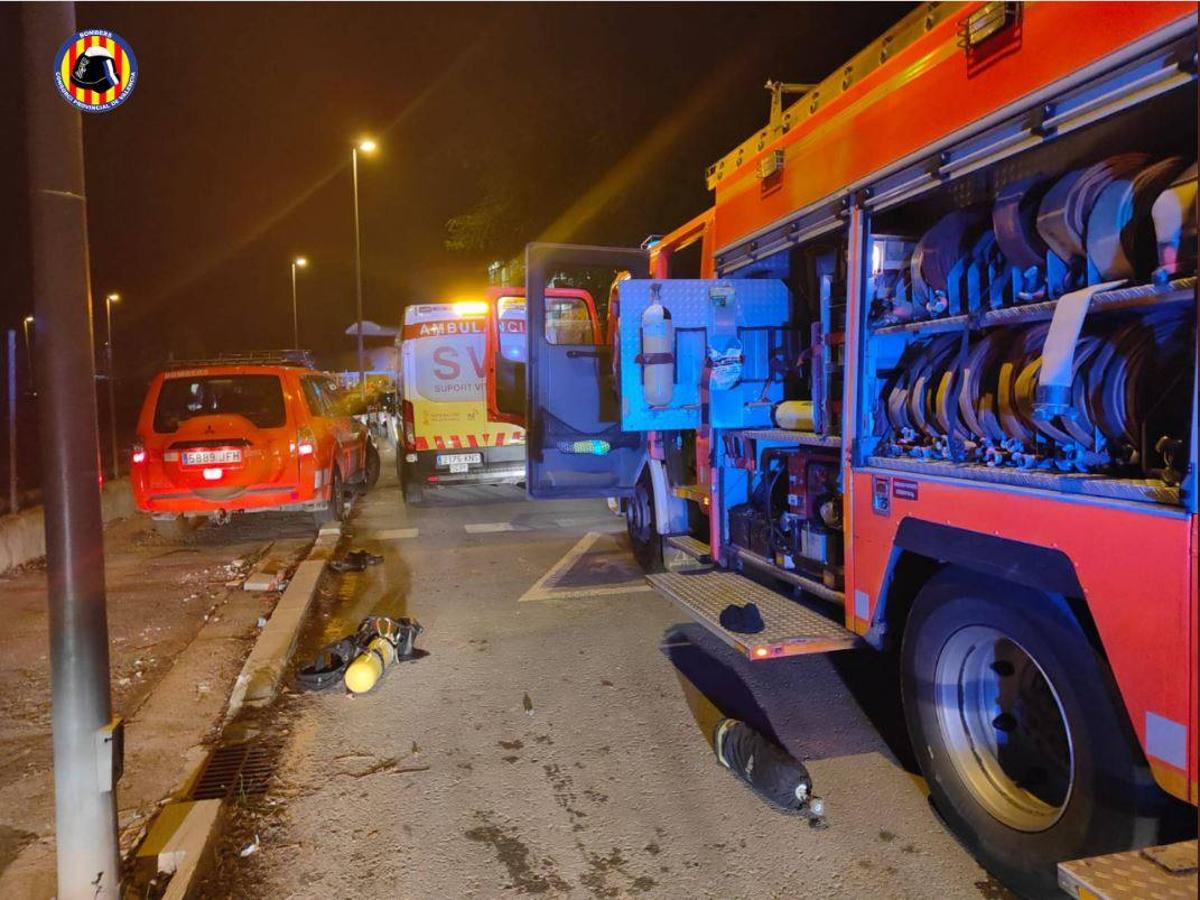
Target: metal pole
point(112, 393)
point(362, 377)
point(295, 314)
point(12, 420)
point(85, 799)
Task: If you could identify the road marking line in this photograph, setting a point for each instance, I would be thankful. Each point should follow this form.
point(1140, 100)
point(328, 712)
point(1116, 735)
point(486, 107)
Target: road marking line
point(395, 534)
point(539, 591)
point(582, 520)
point(489, 527)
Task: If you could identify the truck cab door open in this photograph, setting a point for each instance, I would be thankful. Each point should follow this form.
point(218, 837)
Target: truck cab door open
point(575, 444)
point(506, 353)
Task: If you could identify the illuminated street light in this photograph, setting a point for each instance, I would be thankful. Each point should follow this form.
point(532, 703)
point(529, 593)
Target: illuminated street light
point(25, 323)
point(366, 145)
point(300, 262)
point(112, 402)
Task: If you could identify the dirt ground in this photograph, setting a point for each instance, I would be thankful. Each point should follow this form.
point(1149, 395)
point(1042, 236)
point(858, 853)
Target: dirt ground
point(555, 740)
point(179, 627)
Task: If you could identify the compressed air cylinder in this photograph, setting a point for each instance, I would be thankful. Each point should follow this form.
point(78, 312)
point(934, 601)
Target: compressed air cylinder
point(365, 672)
point(794, 415)
point(658, 354)
point(774, 775)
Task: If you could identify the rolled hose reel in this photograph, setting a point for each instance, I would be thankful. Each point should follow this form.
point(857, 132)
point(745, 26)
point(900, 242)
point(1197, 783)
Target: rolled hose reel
point(1115, 373)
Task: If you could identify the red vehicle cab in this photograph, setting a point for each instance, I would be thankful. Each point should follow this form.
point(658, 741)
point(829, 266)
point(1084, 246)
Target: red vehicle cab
point(233, 435)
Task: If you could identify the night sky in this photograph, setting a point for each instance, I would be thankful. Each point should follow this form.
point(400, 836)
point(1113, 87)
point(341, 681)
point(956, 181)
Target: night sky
point(585, 123)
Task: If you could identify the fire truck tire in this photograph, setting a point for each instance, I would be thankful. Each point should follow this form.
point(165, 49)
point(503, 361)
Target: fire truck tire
point(642, 526)
point(1015, 722)
point(371, 466)
point(336, 510)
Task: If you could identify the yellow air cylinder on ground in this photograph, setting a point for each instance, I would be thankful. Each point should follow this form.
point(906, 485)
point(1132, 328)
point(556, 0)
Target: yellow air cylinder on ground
point(364, 673)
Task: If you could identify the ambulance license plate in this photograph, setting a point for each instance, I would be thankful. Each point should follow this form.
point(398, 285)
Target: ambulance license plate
point(459, 462)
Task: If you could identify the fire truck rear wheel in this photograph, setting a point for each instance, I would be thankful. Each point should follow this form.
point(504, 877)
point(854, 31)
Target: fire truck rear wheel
point(1015, 721)
point(642, 527)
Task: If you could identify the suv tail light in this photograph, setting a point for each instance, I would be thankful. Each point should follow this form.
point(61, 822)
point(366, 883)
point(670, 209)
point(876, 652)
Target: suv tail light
point(138, 455)
point(306, 442)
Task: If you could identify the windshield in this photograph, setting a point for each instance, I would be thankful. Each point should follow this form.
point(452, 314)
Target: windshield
point(258, 398)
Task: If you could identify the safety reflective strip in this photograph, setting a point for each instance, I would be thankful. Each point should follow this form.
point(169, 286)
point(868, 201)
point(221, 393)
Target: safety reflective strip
point(862, 604)
point(1166, 739)
point(466, 441)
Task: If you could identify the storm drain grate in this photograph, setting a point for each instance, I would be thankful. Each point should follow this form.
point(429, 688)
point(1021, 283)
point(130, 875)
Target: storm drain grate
point(232, 771)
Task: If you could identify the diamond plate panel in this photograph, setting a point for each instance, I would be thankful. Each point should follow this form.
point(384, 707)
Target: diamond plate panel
point(783, 436)
point(1142, 489)
point(693, 547)
point(1128, 875)
point(790, 628)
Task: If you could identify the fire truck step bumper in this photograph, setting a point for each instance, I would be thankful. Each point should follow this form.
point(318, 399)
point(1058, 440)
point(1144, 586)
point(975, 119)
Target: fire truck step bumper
point(1165, 872)
point(684, 553)
point(791, 628)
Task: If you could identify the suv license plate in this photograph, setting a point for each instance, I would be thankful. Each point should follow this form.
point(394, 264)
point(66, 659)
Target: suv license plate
point(458, 462)
point(210, 457)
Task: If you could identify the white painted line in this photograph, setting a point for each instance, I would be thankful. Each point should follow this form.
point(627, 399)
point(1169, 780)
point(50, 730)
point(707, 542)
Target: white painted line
point(572, 593)
point(489, 527)
point(539, 591)
point(395, 534)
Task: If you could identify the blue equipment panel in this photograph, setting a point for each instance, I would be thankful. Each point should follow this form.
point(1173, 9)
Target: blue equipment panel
point(734, 325)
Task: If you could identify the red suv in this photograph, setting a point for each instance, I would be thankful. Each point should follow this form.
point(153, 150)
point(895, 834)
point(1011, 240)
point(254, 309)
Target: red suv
point(229, 436)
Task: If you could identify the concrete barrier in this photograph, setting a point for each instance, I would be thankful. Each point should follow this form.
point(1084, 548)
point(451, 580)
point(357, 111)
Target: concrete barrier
point(23, 535)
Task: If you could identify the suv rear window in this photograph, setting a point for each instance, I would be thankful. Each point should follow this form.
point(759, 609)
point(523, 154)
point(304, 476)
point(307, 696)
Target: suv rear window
point(258, 398)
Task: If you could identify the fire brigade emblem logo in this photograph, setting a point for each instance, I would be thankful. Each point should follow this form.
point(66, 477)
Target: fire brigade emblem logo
point(95, 71)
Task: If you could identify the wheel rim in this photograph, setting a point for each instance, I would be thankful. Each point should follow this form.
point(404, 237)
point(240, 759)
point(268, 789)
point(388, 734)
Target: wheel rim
point(639, 516)
point(1004, 728)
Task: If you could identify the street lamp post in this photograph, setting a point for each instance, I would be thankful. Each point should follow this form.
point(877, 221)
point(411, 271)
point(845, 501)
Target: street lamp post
point(112, 393)
point(25, 323)
point(298, 263)
point(366, 146)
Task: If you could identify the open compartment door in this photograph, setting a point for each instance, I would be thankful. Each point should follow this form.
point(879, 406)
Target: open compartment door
point(574, 443)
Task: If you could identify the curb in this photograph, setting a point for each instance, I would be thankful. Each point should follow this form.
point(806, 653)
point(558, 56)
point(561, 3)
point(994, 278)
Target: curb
point(183, 832)
point(263, 670)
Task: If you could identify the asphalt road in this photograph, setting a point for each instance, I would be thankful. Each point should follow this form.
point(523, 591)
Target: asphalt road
point(555, 739)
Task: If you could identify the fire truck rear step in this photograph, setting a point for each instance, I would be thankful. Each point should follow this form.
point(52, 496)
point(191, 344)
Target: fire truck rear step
point(693, 547)
point(1166, 872)
point(791, 628)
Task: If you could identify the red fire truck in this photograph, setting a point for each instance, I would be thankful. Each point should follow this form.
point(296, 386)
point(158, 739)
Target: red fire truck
point(934, 392)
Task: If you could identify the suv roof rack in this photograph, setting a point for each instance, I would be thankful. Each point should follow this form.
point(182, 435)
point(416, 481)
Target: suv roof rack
point(301, 358)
